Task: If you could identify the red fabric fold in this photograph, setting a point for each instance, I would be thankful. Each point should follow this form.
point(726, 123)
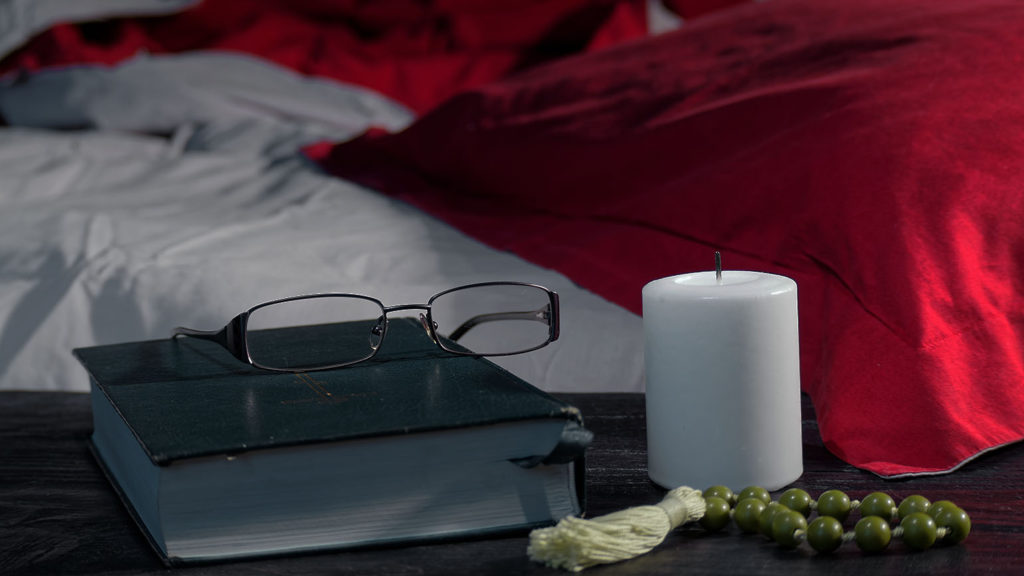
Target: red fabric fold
point(872, 150)
point(416, 52)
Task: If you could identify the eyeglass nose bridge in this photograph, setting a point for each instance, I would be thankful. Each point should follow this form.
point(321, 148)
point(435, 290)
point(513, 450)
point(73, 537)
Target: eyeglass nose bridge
point(429, 326)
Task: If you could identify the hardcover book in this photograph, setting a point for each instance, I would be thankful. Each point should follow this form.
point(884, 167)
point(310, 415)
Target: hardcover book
point(218, 460)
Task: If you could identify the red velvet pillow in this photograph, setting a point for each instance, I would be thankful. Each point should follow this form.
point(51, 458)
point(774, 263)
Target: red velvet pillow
point(873, 150)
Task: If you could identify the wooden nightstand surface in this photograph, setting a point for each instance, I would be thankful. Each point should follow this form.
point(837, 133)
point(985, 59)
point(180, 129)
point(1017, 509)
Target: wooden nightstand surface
point(59, 515)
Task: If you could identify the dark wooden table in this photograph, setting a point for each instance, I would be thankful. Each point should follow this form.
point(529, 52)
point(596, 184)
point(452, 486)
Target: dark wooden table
point(59, 515)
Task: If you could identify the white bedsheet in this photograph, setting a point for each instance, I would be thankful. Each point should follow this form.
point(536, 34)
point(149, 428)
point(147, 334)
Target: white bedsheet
point(179, 199)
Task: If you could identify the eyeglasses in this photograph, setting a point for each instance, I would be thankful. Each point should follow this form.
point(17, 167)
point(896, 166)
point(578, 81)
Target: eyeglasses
point(324, 331)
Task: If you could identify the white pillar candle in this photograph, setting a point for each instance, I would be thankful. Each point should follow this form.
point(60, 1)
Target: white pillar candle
point(722, 363)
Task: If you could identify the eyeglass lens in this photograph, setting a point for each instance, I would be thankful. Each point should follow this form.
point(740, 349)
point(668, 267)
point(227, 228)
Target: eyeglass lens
point(495, 319)
point(314, 332)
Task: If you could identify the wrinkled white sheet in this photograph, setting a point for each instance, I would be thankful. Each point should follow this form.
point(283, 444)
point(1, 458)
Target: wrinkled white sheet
point(179, 199)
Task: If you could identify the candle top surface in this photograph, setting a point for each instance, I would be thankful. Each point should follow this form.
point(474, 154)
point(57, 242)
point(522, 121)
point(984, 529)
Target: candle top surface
point(734, 284)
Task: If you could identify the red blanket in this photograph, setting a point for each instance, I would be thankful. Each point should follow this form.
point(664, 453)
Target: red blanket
point(873, 150)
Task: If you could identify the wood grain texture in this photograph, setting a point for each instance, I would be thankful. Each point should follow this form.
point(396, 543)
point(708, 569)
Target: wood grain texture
point(59, 515)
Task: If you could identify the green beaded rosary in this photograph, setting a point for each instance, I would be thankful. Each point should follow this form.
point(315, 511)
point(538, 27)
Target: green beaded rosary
point(578, 543)
point(921, 522)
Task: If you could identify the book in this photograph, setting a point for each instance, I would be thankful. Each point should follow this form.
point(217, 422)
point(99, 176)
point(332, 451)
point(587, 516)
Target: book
point(217, 460)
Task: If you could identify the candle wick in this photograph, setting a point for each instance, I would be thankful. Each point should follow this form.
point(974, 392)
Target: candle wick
point(718, 266)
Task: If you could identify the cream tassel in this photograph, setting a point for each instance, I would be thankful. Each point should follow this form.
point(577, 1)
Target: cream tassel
point(577, 543)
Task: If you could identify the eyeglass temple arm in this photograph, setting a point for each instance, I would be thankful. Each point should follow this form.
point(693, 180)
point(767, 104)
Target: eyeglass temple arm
point(229, 337)
point(540, 315)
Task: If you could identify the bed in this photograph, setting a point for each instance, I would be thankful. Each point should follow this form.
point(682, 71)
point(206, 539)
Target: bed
point(169, 163)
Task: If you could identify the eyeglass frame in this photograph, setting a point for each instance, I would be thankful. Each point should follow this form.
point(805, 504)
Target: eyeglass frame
point(232, 337)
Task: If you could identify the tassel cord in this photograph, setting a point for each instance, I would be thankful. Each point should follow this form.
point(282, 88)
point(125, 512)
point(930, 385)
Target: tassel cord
point(577, 543)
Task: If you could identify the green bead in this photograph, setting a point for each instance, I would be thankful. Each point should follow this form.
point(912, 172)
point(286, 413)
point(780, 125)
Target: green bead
point(956, 522)
point(723, 492)
point(797, 500)
point(936, 508)
point(913, 504)
point(825, 534)
point(765, 522)
point(785, 525)
point(878, 504)
point(755, 492)
point(834, 503)
point(872, 534)
point(919, 530)
point(747, 514)
point(716, 514)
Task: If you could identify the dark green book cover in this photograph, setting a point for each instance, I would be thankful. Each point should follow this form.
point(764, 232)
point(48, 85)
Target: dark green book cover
point(187, 397)
point(180, 408)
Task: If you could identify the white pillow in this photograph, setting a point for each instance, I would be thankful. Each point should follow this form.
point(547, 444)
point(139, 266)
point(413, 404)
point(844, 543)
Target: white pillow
point(21, 19)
